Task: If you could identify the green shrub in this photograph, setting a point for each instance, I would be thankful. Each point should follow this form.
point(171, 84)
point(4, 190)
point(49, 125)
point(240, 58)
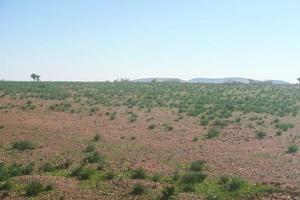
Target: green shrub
point(132, 118)
point(109, 175)
point(97, 137)
point(81, 172)
point(278, 133)
point(49, 188)
point(65, 164)
point(138, 189)
point(2, 127)
point(212, 197)
point(27, 169)
point(260, 135)
point(139, 173)
point(168, 127)
point(89, 148)
point(151, 126)
point(193, 178)
point(6, 185)
point(112, 115)
point(197, 165)
point(293, 148)
point(223, 180)
point(195, 139)
point(234, 184)
point(47, 167)
point(23, 145)
point(284, 127)
point(212, 133)
point(175, 176)
point(8, 171)
point(204, 122)
point(188, 187)
point(94, 157)
point(156, 177)
point(33, 189)
point(167, 193)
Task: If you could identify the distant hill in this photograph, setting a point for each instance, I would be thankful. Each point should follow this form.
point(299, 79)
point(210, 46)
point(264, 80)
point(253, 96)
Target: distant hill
point(232, 80)
point(219, 80)
point(235, 80)
point(148, 80)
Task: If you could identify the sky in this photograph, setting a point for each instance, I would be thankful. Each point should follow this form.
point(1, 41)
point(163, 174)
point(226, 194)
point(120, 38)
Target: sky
point(98, 40)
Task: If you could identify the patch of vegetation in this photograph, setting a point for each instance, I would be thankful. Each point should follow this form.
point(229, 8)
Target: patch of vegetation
point(110, 175)
point(193, 177)
point(8, 171)
point(283, 126)
point(2, 127)
point(94, 157)
point(293, 148)
point(197, 165)
point(167, 193)
point(151, 126)
point(212, 133)
point(97, 137)
point(132, 118)
point(89, 148)
point(28, 106)
point(156, 177)
point(6, 185)
point(47, 167)
point(35, 187)
point(61, 107)
point(138, 173)
point(113, 115)
point(232, 188)
point(81, 173)
point(138, 189)
point(168, 127)
point(23, 145)
point(261, 134)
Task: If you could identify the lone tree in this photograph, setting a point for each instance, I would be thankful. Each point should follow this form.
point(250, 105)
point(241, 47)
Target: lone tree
point(35, 77)
point(298, 79)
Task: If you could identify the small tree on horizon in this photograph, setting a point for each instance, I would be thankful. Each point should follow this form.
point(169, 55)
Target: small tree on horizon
point(298, 79)
point(35, 77)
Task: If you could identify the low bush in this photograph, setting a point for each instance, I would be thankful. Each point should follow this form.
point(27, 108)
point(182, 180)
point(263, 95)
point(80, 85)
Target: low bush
point(151, 126)
point(139, 173)
point(167, 193)
point(283, 126)
point(293, 148)
point(109, 175)
point(8, 171)
point(6, 185)
point(112, 115)
point(193, 178)
point(156, 177)
point(168, 127)
point(33, 189)
point(23, 145)
point(212, 133)
point(197, 165)
point(233, 184)
point(81, 173)
point(89, 148)
point(97, 137)
point(47, 167)
point(138, 189)
point(94, 157)
point(260, 134)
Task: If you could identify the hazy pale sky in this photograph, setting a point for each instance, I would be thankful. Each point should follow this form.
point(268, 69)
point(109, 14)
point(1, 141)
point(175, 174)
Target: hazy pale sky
point(110, 39)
